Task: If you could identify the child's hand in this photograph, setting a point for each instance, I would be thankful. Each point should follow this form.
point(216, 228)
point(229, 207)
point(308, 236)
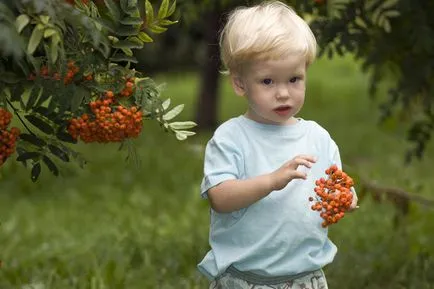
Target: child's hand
point(282, 176)
point(354, 205)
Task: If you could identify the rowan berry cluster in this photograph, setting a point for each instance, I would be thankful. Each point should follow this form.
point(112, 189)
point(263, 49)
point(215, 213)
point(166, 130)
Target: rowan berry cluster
point(333, 195)
point(71, 72)
point(129, 87)
point(108, 122)
point(69, 76)
point(8, 138)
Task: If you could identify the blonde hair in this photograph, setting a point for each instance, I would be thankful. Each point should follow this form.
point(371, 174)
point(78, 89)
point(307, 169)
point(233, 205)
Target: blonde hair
point(267, 31)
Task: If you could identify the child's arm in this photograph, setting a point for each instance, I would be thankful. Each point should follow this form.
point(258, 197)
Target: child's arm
point(232, 195)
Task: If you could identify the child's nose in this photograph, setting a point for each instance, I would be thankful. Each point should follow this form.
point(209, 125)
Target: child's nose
point(282, 92)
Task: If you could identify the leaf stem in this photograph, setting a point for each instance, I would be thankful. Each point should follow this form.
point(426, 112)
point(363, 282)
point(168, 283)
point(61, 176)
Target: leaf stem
point(19, 117)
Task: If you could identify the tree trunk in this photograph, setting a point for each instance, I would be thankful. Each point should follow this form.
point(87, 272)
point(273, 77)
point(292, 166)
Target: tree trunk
point(206, 116)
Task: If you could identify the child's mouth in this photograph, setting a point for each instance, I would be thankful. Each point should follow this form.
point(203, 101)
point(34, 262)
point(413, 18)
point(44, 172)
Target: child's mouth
point(282, 110)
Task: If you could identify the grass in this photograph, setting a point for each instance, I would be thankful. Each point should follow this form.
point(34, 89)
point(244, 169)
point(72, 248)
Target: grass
point(113, 225)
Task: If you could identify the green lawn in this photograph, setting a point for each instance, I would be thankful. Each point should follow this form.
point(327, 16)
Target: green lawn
point(113, 225)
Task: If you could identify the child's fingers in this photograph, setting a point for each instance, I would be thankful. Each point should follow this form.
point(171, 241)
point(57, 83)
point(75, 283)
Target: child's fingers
point(299, 160)
point(299, 175)
point(352, 209)
point(309, 158)
point(354, 205)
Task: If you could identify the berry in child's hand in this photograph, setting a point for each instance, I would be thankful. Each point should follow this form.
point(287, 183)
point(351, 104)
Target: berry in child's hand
point(333, 195)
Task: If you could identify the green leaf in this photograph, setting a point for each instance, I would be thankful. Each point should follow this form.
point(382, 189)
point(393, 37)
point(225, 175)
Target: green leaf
point(166, 104)
point(5, 13)
point(173, 112)
point(40, 124)
point(52, 105)
point(66, 137)
point(113, 9)
point(123, 57)
point(24, 65)
point(56, 38)
point(392, 13)
point(186, 132)
point(126, 30)
point(113, 39)
point(36, 171)
point(77, 98)
point(48, 32)
point(21, 22)
point(171, 9)
point(127, 51)
point(124, 5)
point(127, 44)
point(109, 25)
point(157, 29)
point(179, 125)
point(149, 12)
point(132, 3)
point(34, 96)
point(44, 97)
point(50, 164)
point(43, 111)
point(20, 150)
point(9, 77)
point(167, 22)
point(35, 39)
point(132, 21)
point(54, 50)
point(162, 12)
point(145, 37)
point(183, 134)
point(7, 92)
point(33, 139)
point(44, 19)
point(136, 40)
point(128, 6)
point(360, 22)
point(27, 156)
point(386, 26)
point(388, 4)
point(58, 153)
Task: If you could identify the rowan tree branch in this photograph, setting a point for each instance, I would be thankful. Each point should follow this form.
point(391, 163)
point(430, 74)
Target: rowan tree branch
point(395, 193)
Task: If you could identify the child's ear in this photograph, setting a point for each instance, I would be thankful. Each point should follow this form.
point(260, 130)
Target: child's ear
point(238, 85)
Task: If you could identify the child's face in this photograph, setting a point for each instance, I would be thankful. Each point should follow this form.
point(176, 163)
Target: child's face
point(275, 89)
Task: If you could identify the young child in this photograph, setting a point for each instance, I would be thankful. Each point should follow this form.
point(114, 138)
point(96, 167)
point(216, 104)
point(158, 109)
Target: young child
point(260, 168)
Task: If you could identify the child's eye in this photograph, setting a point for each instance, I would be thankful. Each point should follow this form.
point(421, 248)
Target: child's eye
point(267, 81)
point(294, 79)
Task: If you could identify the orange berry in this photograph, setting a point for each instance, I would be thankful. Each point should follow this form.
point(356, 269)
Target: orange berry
point(109, 93)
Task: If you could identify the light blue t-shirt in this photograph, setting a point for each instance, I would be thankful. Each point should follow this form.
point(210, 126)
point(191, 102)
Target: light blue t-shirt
point(279, 235)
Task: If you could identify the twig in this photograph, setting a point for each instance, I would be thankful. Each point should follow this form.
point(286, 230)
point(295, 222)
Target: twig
point(19, 117)
point(396, 193)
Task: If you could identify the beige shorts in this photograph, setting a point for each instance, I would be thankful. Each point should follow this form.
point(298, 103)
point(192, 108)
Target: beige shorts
point(314, 280)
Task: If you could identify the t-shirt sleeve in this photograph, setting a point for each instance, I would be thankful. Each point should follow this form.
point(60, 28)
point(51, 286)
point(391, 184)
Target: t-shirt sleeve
point(222, 162)
point(335, 155)
point(336, 160)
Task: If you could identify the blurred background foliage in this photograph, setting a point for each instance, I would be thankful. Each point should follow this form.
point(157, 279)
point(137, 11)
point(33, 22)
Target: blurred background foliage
point(116, 225)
